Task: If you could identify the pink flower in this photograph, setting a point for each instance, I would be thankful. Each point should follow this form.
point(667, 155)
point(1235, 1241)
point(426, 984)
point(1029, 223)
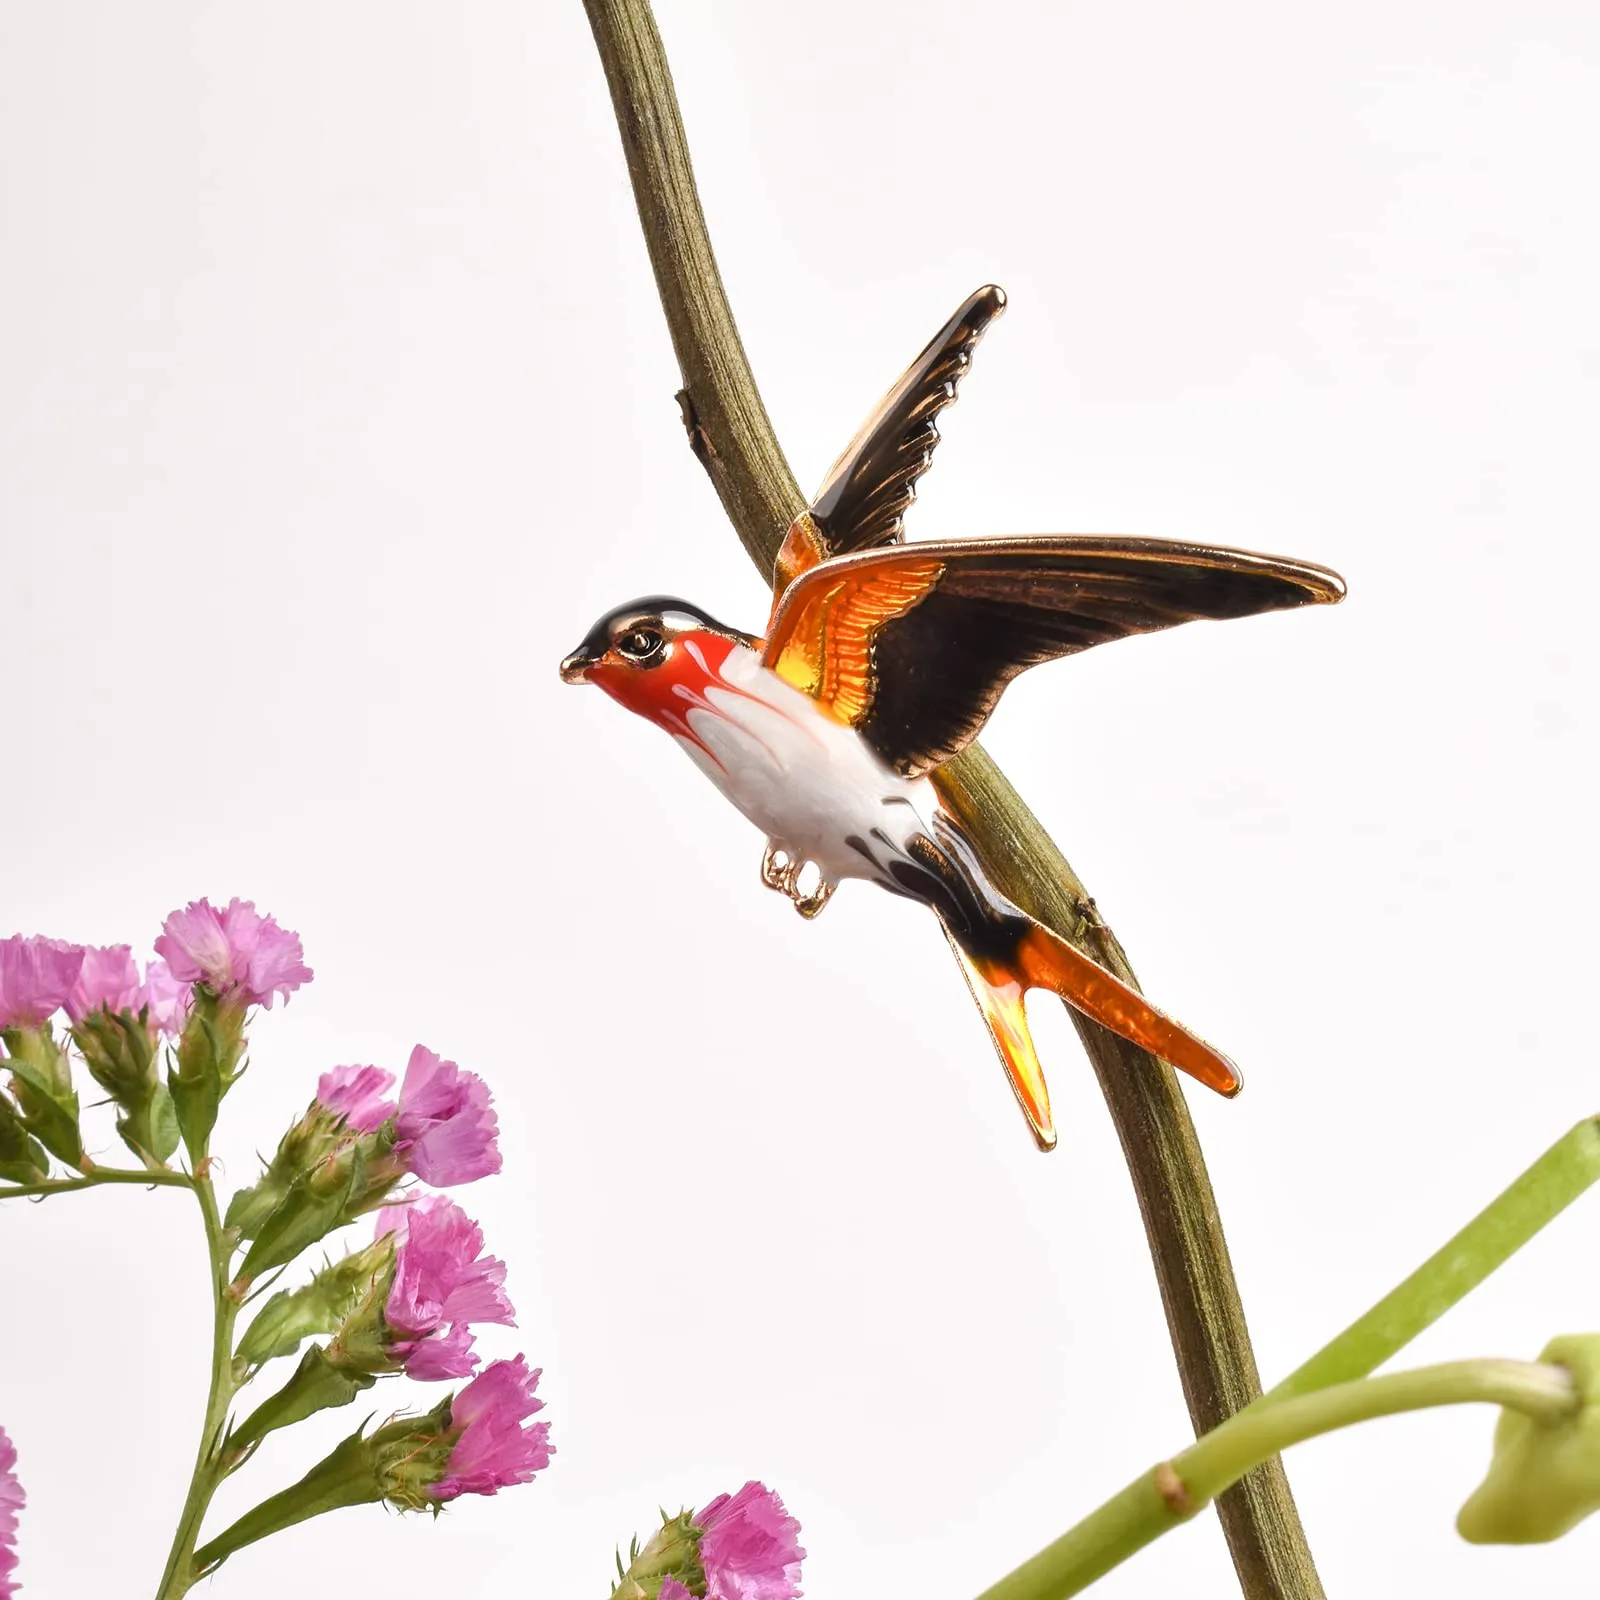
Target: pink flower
point(493, 1448)
point(236, 952)
point(446, 1132)
point(109, 978)
point(168, 999)
point(671, 1589)
point(441, 1277)
point(12, 1500)
point(36, 975)
point(357, 1095)
point(749, 1547)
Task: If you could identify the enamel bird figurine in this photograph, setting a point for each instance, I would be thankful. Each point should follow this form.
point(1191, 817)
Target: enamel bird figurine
point(881, 662)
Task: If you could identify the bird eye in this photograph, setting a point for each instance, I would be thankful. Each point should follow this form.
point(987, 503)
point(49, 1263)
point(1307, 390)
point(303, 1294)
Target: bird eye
point(641, 644)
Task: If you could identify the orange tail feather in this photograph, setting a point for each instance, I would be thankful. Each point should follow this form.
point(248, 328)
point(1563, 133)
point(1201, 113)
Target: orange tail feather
point(999, 992)
point(1046, 962)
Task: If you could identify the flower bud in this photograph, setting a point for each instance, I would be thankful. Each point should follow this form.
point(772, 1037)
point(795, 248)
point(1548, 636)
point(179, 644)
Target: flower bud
point(120, 1050)
point(411, 1456)
point(41, 1079)
point(1544, 1477)
point(208, 1055)
point(317, 1202)
point(292, 1316)
point(363, 1341)
point(308, 1142)
point(670, 1555)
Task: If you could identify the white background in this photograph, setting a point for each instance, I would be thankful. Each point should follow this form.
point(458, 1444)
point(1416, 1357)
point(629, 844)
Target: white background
point(336, 403)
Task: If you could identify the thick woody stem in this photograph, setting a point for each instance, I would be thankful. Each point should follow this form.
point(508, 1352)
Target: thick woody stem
point(730, 432)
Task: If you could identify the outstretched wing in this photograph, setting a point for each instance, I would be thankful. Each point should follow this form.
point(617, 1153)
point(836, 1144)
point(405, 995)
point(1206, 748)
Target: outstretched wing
point(862, 502)
point(914, 645)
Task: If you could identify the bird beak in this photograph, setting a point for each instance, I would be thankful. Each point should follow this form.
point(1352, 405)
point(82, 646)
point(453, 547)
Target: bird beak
point(575, 669)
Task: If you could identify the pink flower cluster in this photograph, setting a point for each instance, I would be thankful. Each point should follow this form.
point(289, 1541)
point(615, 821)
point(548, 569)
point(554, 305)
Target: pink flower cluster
point(236, 952)
point(443, 1282)
point(39, 977)
point(240, 954)
point(493, 1449)
point(446, 1130)
point(446, 1133)
point(109, 979)
point(12, 1500)
point(749, 1549)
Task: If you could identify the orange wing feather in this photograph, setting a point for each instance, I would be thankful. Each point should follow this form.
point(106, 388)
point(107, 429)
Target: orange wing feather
point(825, 647)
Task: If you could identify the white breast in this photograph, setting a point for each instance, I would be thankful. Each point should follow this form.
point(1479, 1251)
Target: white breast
point(809, 783)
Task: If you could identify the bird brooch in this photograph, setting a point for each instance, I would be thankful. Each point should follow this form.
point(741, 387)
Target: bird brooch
point(881, 662)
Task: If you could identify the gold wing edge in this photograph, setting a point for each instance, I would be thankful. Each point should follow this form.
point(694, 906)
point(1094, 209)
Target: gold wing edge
point(1322, 585)
point(900, 416)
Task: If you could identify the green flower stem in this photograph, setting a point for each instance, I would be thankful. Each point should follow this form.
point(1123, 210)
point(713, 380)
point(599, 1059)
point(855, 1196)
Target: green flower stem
point(733, 438)
point(1332, 1388)
point(1177, 1490)
point(1545, 1190)
point(181, 1571)
point(93, 1179)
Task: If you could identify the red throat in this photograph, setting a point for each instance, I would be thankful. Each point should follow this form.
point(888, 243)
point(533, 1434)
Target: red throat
point(664, 694)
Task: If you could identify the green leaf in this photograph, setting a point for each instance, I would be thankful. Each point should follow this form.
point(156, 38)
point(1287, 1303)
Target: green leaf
point(317, 1385)
point(194, 1102)
point(317, 1202)
point(22, 1157)
point(399, 1463)
point(47, 1110)
point(32, 1167)
point(163, 1124)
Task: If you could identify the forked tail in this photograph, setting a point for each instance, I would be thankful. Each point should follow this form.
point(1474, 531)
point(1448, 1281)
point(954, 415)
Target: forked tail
point(1004, 953)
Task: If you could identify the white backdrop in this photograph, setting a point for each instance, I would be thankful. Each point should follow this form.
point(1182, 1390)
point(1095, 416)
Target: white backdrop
point(335, 403)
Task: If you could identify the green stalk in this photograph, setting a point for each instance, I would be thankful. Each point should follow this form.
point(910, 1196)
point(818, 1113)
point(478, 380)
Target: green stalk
point(181, 1573)
point(733, 438)
point(93, 1179)
point(1330, 1386)
point(1507, 1223)
point(1177, 1490)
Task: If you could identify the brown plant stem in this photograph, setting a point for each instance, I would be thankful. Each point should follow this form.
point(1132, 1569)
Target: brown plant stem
point(731, 434)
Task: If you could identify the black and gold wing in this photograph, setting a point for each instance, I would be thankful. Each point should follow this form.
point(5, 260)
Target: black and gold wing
point(914, 645)
point(864, 498)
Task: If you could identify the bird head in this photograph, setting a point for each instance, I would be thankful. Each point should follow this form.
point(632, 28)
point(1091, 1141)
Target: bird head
point(650, 653)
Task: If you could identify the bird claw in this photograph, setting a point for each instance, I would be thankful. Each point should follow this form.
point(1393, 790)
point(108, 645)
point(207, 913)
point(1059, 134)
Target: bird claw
point(776, 865)
point(780, 870)
point(810, 905)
